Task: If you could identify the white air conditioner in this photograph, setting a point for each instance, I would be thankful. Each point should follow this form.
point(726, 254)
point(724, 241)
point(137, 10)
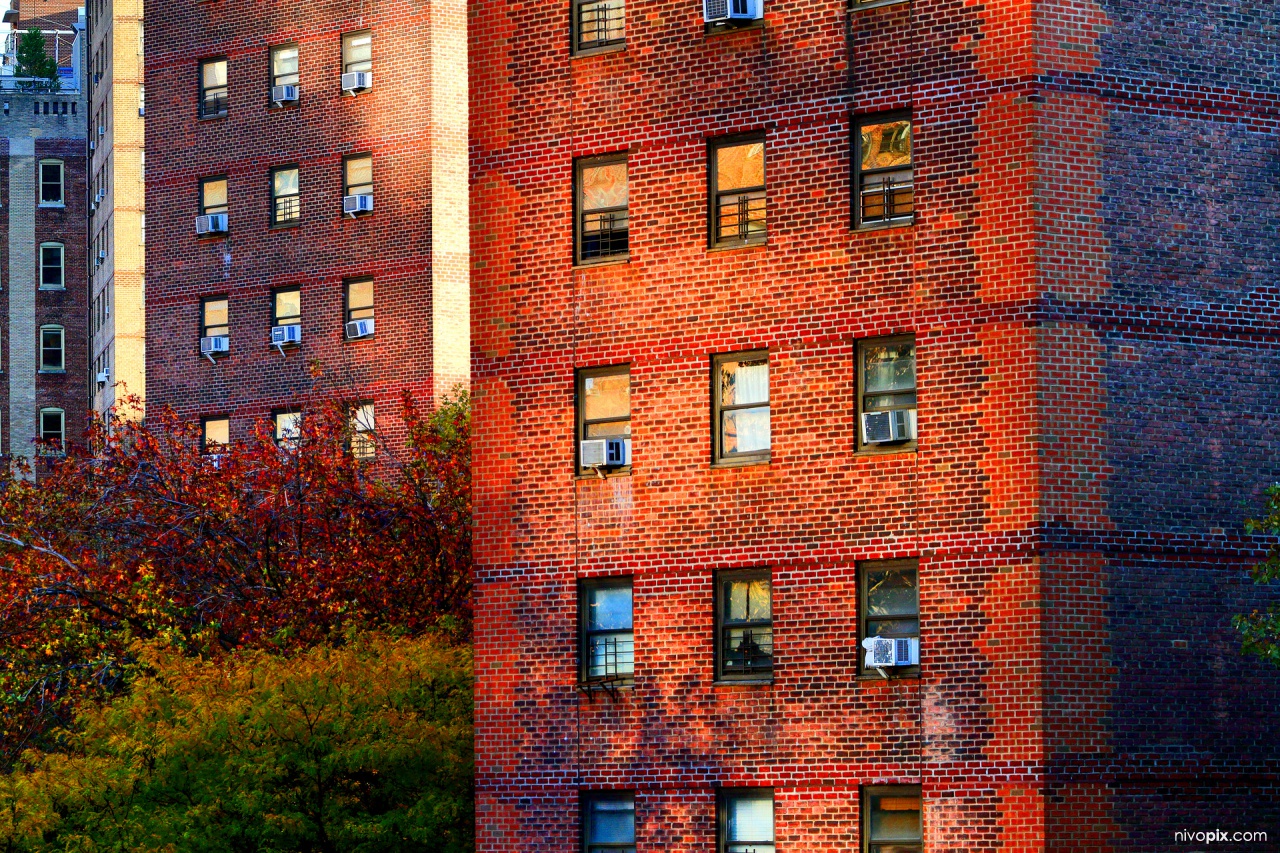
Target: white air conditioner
point(604, 452)
point(285, 335)
point(97, 197)
point(215, 344)
point(886, 427)
point(102, 255)
point(93, 145)
point(284, 95)
point(213, 223)
point(354, 82)
point(360, 328)
point(102, 131)
point(104, 376)
point(723, 11)
point(353, 205)
point(886, 652)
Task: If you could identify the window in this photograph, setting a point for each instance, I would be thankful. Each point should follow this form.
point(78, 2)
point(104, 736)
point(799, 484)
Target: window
point(737, 192)
point(740, 408)
point(745, 818)
point(215, 433)
point(213, 88)
point(882, 176)
point(357, 175)
point(609, 822)
point(888, 606)
point(891, 820)
point(286, 307)
point(604, 611)
point(357, 52)
point(52, 269)
point(286, 204)
point(213, 195)
point(597, 24)
point(601, 209)
point(284, 65)
point(213, 317)
point(52, 349)
point(51, 187)
point(362, 431)
point(286, 428)
point(744, 618)
point(359, 299)
point(887, 387)
point(53, 424)
point(604, 404)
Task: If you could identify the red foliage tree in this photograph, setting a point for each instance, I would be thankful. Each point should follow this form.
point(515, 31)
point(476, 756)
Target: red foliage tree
point(258, 545)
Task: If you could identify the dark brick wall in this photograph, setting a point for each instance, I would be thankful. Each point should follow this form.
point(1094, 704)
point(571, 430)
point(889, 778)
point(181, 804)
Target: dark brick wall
point(392, 121)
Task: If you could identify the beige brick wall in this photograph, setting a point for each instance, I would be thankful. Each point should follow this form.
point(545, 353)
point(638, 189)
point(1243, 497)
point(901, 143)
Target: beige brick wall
point(22, 296)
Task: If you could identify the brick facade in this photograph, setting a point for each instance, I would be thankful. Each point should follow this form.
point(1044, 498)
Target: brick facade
point(395, 121)
point(1097, 363)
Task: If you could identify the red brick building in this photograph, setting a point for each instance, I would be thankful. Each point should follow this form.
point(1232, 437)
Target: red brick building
point(43, 303)
point(1037, 244)
point(306, 208)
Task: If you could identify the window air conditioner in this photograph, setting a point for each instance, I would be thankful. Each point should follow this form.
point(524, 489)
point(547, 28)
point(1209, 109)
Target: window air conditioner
point(360, 328)
point(884, 652)
point(885, 427)
point(104, 376)
point(213, 223)
point(102, 255)
point(93, 145)
point(354, 82)
point(604, 452)
point(211, 346)
point(281, 95)
point(285, 335)
point(353, 205)
point(723, 11)
point(102, 131)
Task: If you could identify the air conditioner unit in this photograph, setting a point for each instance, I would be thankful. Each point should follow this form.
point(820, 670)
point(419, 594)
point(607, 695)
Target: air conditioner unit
point(104, 376)
point(97, 197)
point(886, 652)
point(102, 131)
point(102, 255)
point(353, 205)
point(354, 82)
point(285, 335)
point(284, 95)
point(604, 452)
point(885, 427)
point(360, 328)
point(724, 11)
point(93, 145)
point(214, 345)
point(213, 223)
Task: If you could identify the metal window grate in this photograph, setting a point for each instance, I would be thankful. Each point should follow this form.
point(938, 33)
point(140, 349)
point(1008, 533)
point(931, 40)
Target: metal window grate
point(740, 216)
point(887, 199)
point(604, 233)
point(747, 651)
point(600, 23)
point(214, 102)
point(610, 657)
point(288, 209)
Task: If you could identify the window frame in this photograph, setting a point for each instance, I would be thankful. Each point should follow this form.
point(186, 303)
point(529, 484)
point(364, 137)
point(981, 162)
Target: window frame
point(581, 375)
point(346, 63)
point(288, 319)
point(296, 219)
point(585, 800)
point(225, 207)
point(347, 186)
point(866, 792)
point(62, 266)
point(859, 391)
point(274, 79)
point(577, 47)
point(585, 678)
point(205, 90)
point(62, 348)
point(205, 301)
point(346, 302)
point(713, 190)
point(861, 570)
point(62, 182)
point(755, 457)
point(723, 626)
point(579, 212)
point(62, 431)
point(204, 432)
point(363, 444)
point(723, 796)
point(858, 122)
point(280, 441)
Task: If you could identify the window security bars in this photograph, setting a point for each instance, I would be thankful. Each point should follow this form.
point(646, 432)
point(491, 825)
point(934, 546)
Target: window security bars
point(599, 23)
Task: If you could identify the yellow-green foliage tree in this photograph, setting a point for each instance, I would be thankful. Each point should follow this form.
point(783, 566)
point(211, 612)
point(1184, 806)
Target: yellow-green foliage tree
point(1261, 628)
point(366, 746)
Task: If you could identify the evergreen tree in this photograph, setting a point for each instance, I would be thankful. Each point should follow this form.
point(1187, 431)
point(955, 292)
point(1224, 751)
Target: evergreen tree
point(33, 58)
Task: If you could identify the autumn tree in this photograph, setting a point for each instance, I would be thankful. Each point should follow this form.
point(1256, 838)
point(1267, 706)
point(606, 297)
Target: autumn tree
point(1261, 627)
point(151, 538)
